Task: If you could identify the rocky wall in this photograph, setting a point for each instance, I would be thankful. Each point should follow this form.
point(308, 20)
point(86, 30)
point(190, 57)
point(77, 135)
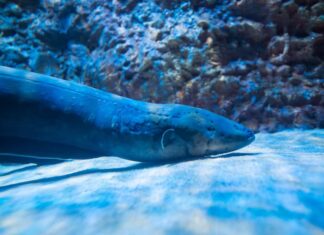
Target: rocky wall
point(259, 62)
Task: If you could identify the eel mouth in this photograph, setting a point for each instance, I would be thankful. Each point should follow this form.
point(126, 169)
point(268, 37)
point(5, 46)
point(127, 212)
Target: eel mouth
point(218, 149)
point(251, 138)
point(250, 135)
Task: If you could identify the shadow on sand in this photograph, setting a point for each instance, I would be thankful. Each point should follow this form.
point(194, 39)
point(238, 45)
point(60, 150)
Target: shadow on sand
point(136, 166)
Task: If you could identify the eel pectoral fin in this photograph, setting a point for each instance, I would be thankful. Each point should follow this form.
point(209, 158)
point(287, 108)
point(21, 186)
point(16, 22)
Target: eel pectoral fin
point(167, 138)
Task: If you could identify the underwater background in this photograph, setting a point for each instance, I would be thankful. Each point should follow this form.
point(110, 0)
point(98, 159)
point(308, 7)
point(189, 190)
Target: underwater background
point(258, 62)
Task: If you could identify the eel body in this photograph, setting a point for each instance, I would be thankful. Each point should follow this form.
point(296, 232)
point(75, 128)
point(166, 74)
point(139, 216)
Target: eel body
point(48, 117)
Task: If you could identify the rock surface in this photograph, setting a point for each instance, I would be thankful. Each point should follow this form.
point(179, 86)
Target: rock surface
point(274, 186)
point(255, 61)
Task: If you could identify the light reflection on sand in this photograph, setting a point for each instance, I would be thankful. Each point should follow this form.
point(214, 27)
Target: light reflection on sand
point(274, 186)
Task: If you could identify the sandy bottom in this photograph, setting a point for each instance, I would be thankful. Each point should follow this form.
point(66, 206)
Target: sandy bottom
point(274, 186)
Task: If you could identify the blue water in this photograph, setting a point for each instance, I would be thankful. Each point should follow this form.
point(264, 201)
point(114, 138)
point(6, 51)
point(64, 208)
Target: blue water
point(273, 186)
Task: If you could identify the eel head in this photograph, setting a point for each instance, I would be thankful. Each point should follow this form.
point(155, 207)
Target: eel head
point(194, 132)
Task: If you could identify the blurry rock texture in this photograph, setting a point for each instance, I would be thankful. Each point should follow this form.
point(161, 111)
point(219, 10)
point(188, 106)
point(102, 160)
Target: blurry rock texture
point(259, 62)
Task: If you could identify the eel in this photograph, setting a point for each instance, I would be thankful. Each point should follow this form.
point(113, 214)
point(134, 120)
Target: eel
point(45, 116)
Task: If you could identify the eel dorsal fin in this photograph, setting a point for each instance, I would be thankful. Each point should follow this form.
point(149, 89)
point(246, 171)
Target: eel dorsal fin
point(167, 137)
